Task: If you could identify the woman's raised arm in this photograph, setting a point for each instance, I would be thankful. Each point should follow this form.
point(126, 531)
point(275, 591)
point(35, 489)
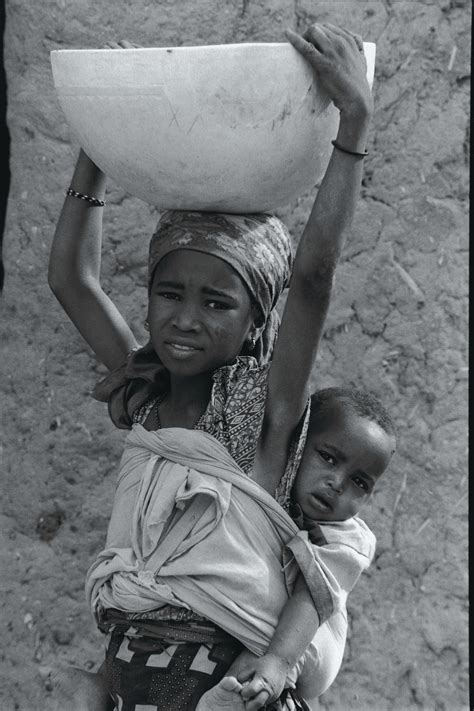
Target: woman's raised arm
point(337, 58)
point(74, 269)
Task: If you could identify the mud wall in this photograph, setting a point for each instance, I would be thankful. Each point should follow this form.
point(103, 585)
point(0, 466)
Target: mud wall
point(397, 325)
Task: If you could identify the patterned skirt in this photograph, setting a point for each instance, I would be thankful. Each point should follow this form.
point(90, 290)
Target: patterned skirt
point(168, 666)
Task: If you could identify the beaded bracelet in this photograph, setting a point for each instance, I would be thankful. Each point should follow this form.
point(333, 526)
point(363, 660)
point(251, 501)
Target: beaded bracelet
point(92, 200)
point(346, 150)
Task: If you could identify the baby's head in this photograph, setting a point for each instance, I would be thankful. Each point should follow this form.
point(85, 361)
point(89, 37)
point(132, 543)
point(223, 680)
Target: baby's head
point(350, 442)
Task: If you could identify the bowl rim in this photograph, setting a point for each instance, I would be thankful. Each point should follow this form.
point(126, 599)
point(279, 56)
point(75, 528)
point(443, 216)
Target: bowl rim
point(182, 48)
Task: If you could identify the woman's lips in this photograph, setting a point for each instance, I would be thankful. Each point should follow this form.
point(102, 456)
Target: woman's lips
point(183, 347)
point(181, 350)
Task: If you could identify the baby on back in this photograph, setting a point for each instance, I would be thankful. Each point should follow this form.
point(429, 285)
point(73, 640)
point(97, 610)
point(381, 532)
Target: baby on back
point(350, 442)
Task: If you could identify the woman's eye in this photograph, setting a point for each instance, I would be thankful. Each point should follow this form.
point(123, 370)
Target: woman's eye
point(327, 457)
point(218, 305)
point(361, 483)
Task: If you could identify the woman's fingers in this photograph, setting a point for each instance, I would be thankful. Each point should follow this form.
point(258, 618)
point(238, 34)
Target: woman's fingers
point(122, 44)
point(125, 44)
point(317, 35)
point(351, 36)
point(307, 49)
point(336, 55)
point(323, 35)
point(321, 39)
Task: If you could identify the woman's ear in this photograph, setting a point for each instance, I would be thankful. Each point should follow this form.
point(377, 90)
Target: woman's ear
point(252, 338)
point(258, 319)
point(256, 328)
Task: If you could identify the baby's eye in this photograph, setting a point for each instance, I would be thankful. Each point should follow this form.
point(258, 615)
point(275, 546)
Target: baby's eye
point(172, 295)
point(361, 483)
point(327, 457)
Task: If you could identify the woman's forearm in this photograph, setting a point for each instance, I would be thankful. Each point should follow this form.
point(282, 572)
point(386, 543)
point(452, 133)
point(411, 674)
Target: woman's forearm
point(333, 210)
point(76, 250)
point(74, 269)
point(310, 291)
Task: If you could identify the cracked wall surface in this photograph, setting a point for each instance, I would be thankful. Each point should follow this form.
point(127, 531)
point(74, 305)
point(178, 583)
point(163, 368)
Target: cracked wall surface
point(397, 325)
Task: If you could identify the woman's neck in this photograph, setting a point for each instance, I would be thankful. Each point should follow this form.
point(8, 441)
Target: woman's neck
point(185, 392)
point(186, 401)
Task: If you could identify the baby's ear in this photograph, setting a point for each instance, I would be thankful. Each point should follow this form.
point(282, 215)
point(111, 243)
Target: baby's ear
point(370, 495)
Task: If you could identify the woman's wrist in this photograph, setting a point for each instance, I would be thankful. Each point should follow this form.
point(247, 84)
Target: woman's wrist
point(354, 128)
point(88, 178)
point(358, 108)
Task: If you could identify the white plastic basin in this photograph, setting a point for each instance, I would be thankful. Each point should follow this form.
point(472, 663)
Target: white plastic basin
point(231, 128)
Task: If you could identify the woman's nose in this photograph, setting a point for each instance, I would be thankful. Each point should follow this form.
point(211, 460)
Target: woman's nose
point(186, 317)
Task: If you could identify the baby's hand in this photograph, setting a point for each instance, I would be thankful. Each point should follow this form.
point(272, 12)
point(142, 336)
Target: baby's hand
point(337, 57)
point(263, 681)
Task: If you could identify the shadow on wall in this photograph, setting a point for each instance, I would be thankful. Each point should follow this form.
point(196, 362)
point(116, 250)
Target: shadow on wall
point(5, 143)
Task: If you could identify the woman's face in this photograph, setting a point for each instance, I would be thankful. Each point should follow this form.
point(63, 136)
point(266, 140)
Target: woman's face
point(200, 313)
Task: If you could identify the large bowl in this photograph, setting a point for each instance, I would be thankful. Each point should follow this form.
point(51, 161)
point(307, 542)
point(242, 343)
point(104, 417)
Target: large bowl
point(230, 128)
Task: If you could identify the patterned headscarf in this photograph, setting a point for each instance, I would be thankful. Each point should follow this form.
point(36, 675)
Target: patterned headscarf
point(257, 246)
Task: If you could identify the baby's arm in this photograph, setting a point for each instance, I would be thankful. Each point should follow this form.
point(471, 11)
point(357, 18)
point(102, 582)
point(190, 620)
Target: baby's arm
point(74, 269)
point(340, 563)
point(296, 628)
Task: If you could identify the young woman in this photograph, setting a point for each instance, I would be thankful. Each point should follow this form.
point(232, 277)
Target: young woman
point(214, 282)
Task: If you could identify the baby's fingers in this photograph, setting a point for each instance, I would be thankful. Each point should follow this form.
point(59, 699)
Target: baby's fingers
point(258, 702)
point(255, 695)
point(243, 675)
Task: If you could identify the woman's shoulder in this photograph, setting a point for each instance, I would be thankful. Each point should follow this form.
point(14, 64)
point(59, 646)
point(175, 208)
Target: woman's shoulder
point(235, 411)
point(244, 370)
point(131, 387)
point(240, 386)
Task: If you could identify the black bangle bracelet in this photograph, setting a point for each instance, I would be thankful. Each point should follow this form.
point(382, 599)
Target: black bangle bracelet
point(346, 150)
point(91, 200)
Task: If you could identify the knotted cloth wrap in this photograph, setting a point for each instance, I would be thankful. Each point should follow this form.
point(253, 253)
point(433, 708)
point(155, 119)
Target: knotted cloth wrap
point(258, 247)
point(236, 559)
point(221, 566)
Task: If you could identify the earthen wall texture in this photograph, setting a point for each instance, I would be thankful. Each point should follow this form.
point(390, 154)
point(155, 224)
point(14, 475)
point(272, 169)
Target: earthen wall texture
point(397, 325)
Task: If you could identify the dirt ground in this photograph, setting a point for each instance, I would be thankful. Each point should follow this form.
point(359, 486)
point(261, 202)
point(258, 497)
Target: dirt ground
point(397, 325)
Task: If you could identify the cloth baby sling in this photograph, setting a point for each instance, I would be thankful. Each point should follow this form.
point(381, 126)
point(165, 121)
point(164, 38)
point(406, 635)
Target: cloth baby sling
point(189, 528)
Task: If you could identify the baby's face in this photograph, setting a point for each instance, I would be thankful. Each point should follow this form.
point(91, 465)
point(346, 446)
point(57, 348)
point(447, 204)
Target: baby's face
point(345, 454)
